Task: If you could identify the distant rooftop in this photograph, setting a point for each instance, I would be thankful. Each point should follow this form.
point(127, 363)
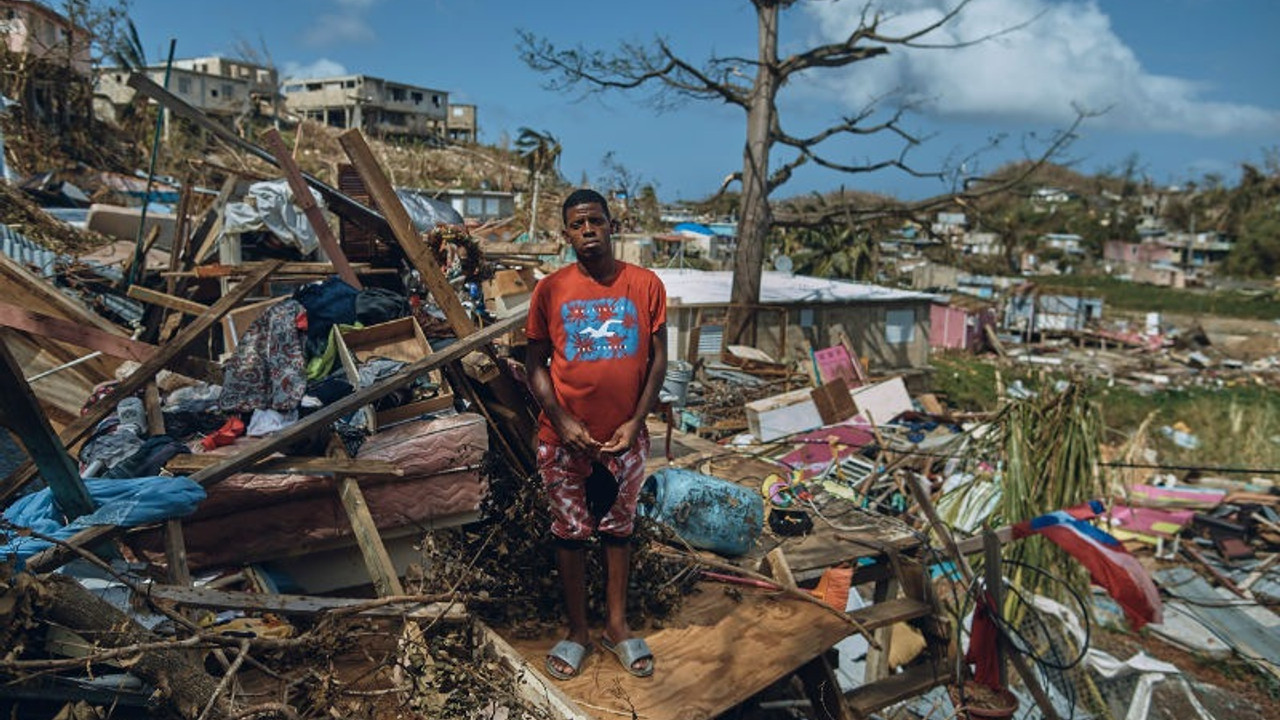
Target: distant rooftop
point(704, 287)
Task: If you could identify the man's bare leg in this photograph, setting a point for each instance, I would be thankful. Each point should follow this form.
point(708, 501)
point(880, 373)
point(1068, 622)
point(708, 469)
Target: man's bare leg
point(617, 563)
point(573, 580)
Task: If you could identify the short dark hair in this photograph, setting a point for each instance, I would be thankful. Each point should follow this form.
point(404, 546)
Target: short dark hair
point(584, 196)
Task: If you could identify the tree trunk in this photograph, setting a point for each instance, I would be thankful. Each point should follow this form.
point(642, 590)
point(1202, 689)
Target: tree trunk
point(184, 685)
point(533, 212)
point(753, 225)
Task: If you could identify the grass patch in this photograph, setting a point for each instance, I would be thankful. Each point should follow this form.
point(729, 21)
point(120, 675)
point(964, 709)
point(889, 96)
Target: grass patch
point(1123, 295)
point(1237, 424)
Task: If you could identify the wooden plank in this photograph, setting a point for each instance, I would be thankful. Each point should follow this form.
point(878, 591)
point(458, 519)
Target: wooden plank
point(211, 229)
point(75, 333)
point(889, 612)
point(994, 578)
point(175, 544)
point(303, 199)
point(884, 597)
point(320, 419)
point(107, 343)
point(287, 465)
point(21, 413)
point(306, 604)
point(520, 248)
point(172, 302)
point(384, 196)
point(386, 580)
point(910, 683)
point(141, 255)
point(82, 426)
point(716, 654)
point(307, 269)
point(530, 684)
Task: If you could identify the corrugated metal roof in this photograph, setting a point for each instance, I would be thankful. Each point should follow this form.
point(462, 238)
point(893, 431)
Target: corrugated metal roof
point(703, 287)
point(44, 261)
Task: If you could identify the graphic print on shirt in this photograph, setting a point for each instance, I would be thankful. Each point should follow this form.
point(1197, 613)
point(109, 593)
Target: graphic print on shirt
point(603, 329)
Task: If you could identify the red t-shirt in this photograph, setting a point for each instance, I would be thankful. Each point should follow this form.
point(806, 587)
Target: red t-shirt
point(600, 341)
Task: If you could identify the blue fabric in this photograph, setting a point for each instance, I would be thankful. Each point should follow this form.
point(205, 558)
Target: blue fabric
point(125, 502)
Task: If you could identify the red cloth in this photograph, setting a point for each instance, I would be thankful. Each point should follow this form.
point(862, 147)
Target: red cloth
point(601, 336)
point(225, 435)
point(983, 652)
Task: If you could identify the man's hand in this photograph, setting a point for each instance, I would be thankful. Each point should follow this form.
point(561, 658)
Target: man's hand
point(574, 434)
point(623, 438)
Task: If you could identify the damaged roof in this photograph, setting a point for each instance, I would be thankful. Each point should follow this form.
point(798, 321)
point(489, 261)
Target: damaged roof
point(712, 287)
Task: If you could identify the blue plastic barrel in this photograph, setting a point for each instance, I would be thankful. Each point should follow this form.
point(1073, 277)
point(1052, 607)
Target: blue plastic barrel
point(707, 512)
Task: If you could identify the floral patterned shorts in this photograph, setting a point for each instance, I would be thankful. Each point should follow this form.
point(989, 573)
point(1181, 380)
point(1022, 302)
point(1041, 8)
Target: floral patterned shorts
point(564, 475)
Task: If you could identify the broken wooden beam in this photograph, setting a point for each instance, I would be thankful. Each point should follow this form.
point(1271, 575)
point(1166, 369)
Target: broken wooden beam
point(303, 199)
point(407, 606)
point(405, 234)
point(185, 463)
point(164, 300)
point(21, 413)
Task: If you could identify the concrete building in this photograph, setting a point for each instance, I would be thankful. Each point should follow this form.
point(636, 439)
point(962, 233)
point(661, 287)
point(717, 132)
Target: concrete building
point(375, 106)
point(32, 30)
point(461, 125)
point(214, 85)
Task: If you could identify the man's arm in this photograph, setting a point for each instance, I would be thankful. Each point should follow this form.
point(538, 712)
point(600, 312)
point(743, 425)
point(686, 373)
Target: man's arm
point(572, 431)
point(625, 436)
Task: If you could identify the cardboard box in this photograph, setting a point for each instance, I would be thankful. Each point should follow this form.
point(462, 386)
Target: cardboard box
point(881, 402)
point(507, 290)
point(399, 339)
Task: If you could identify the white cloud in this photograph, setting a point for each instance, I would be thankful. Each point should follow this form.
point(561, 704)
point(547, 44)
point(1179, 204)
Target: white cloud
point(316, 69)
point(1069, 55)
point(331, 29)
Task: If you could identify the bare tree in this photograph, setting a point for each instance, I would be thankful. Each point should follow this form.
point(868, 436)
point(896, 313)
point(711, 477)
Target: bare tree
point(725, 79)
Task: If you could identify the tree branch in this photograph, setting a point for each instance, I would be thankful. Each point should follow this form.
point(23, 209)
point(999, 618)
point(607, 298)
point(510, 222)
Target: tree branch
point(632, 66)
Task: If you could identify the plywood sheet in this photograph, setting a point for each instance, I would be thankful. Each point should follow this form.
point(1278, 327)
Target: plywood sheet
point(718, 653)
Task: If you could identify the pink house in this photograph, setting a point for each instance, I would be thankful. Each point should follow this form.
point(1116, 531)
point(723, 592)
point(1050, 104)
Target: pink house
point(33, 30)
point(1145, 253)
point(956, 328)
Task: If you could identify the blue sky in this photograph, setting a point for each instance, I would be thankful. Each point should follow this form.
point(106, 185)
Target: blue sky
point(1188, 86)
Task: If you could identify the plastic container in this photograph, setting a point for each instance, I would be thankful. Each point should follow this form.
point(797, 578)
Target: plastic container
point(707, 512)
point(675, 385)
point(133, 416)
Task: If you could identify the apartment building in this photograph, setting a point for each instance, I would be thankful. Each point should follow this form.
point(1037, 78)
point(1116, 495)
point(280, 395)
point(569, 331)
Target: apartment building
point(374, 105)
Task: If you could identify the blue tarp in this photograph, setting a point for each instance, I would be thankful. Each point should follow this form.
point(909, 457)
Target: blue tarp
point(695, 228)
point(124, 502)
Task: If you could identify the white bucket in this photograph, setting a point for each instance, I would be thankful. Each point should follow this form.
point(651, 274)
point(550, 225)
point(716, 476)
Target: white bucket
point(675, 386)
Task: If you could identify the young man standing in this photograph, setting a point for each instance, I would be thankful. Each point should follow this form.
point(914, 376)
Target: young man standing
point(601, 324)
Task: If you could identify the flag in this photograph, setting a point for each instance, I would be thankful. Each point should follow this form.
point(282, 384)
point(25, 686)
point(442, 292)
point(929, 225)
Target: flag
point(1109, 564)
